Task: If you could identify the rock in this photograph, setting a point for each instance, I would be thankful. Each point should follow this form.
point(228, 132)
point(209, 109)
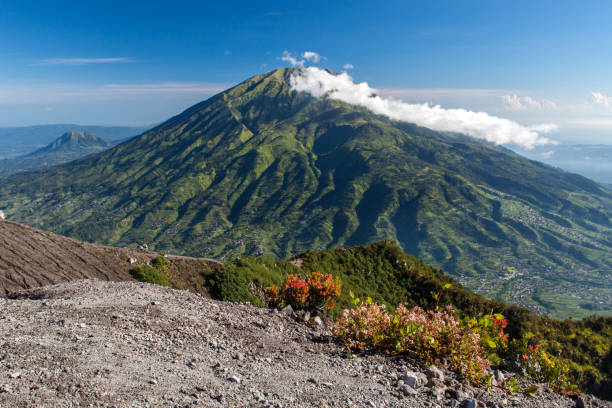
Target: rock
point(582, 401)
point(435, 382)
point(16, 374)
point(239, 357)
point(153, 381)
point(408, 390)
point(287, 310)
point(438, 392)
point(234, 379)
point(499, 376)
point(434, 372)
point(133, 261)
point(411, 378)
point(317, 320)
point(461, 395)
point(470, 403)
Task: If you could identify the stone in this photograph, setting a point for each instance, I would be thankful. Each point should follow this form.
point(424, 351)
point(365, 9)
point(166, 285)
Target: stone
point(234, 379)
point(499, 376)
point(461, 395)
point(15, 375)
point(470, 403)
point(317, 320)
point(287, 310)
point(408, 390)
point(581, 402)
point(411, 378)
point(434, 372)
point(438, 392)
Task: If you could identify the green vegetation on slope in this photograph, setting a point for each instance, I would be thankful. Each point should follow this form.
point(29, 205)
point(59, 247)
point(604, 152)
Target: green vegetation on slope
point(384, 272)
point(154, 273)
point(261, 169)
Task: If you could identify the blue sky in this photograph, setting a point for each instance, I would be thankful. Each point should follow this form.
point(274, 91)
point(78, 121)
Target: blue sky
point(132, 63)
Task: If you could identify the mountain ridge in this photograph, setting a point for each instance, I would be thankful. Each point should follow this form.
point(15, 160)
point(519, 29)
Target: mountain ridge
point(67, 147)
point(260, 168)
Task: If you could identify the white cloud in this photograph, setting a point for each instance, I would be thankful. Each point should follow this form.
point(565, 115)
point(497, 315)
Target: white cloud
point(83, 61)
point(600, 99)
point(291, 59)
point(480, 125)
point(346, 67)
point(311, 56)
point(516, 102)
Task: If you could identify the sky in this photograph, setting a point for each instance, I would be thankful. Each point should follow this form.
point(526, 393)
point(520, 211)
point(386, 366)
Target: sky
point(139, 63)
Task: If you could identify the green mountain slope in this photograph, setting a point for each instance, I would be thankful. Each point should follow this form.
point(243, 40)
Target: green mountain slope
point(263, 169)
point(68, 147)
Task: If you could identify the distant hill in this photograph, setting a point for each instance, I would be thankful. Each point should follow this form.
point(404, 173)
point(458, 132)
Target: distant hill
point(19, 141)
point(70, 146)
point(261, 168)
point(30, 258)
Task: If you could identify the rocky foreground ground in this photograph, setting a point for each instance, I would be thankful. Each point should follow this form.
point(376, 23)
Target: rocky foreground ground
point(98, 343)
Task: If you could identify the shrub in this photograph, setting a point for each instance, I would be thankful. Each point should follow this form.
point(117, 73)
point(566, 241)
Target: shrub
point(323, 290)
point(316, 293)
point(435, 337)
point(155, 273)
point(543, 367)
point(493, 339)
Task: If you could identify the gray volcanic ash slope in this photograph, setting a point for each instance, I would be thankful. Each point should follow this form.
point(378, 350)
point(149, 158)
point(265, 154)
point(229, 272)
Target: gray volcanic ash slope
point(30, 257)
point(124, 344)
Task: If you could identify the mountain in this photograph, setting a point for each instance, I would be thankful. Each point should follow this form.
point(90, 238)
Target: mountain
point(74, 142)
point(261, 168)
point(68, 147)
point(19, 141)
point(31, 258)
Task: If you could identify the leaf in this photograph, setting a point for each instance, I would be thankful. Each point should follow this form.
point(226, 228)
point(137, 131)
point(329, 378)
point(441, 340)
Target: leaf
point(447, 286)
point(531, 391)
point(490, 343)
point(498, 316)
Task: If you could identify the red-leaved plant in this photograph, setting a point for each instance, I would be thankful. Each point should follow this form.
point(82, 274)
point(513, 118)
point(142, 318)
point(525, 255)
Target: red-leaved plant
point(318, 292)
point(436, 337)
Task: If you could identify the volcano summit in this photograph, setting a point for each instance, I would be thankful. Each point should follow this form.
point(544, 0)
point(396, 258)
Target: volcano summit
point(263, 168)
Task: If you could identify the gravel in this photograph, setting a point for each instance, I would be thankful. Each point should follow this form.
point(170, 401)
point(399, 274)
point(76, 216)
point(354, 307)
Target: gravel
point(126, 344)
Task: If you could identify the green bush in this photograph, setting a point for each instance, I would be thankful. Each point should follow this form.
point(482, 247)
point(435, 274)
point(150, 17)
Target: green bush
point(385, 273)
point(154, 273)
